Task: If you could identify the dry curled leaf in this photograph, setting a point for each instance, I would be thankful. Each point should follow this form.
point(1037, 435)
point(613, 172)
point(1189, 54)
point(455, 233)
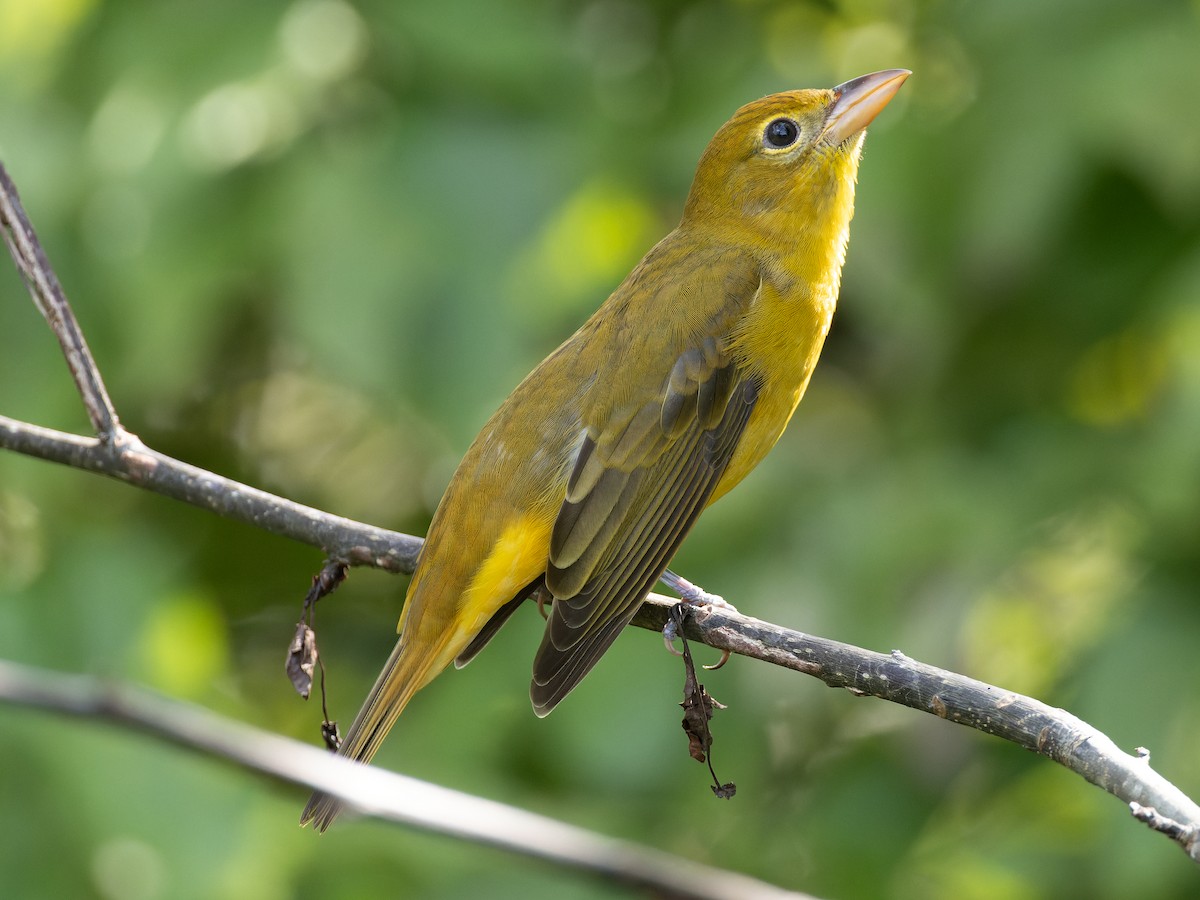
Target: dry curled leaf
point(698, 708)
point(302, 656)
point(302, 659)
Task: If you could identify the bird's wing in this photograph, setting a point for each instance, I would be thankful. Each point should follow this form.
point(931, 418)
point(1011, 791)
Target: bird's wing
point(637, 485)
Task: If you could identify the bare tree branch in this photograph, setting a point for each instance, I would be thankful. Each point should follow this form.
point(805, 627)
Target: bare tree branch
point(127, 459)
point(386, 795)
point(1046, 730)
point(52, 303)
point(1029, 723)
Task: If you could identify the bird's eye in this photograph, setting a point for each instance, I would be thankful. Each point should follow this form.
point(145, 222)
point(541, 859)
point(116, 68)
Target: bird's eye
point(781, 133)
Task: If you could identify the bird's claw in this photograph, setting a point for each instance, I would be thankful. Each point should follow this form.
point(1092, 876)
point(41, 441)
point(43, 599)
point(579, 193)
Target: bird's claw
point(692, 596)
point(669, 633)
point(725, 654)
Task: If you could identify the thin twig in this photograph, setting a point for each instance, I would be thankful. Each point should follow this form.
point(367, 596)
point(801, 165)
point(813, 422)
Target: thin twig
point(48, 294)
point(386, 795)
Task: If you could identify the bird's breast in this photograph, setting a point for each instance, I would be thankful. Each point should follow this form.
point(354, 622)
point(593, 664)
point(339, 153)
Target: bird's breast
point(779, 343)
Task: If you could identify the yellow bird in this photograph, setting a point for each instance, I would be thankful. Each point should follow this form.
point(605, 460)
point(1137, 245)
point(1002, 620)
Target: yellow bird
point(589, 476)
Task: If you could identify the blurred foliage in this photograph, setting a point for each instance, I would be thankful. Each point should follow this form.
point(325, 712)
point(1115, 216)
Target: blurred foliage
point(314, 243)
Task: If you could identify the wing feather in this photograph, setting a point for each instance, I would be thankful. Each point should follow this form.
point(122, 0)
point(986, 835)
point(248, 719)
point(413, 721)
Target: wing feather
point(597, 589)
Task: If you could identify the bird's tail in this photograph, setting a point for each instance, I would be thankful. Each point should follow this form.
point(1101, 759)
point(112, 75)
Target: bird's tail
point(407, 670)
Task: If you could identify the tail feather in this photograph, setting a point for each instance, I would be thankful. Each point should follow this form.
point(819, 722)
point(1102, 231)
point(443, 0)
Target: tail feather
point(405, 673)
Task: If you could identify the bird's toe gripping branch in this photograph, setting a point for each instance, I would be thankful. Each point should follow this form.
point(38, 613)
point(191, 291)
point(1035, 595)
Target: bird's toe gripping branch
point(692, 595)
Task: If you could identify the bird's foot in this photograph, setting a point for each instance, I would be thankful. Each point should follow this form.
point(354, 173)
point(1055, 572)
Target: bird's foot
point(692, 595)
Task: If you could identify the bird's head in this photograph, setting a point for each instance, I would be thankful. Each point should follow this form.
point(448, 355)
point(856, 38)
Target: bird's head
point(789, 155)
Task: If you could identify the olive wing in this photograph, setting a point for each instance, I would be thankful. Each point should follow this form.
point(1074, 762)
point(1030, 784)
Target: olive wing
point(636, 488)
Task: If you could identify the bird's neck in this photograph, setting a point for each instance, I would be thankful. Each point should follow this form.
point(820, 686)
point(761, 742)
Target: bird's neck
point(803, 240)
point(798, 231)
point(800, 247)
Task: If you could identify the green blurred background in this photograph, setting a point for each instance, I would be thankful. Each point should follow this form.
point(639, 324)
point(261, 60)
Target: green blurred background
point(313, 244)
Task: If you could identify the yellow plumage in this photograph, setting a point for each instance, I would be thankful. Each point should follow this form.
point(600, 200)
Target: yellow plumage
point(593, 470)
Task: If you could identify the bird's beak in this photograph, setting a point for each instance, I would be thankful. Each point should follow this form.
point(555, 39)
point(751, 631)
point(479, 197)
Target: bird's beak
point(859, 102)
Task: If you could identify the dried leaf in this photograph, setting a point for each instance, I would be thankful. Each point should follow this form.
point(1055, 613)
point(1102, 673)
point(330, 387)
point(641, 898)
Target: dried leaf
point(698, 707)
point(302, 654)
point(724, 791)
point(697, 711)
point(302, 659)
